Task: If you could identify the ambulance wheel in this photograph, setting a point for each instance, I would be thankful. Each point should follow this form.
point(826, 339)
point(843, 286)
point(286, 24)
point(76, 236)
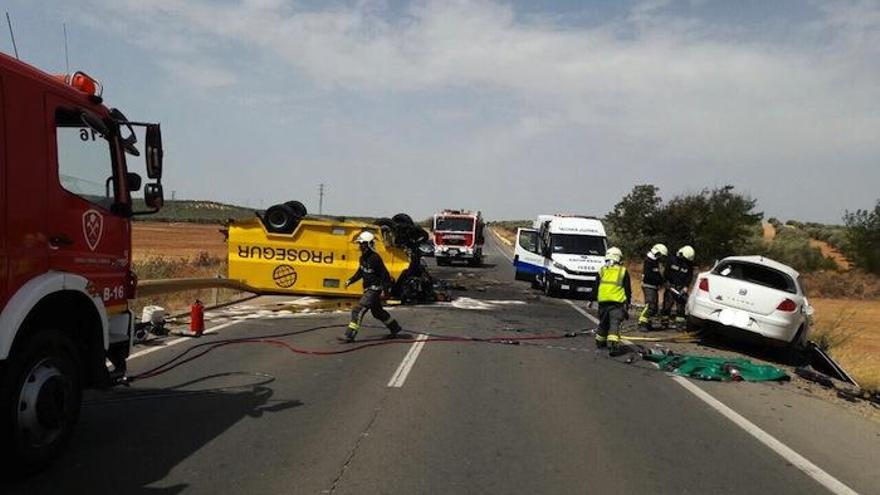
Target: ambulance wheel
point(40, 396)
point(299, 209)
point(281, 219)
point(403, 218)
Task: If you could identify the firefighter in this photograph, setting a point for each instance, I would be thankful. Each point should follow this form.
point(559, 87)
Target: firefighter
point(652, 281)
point(376, 281)
point(679, 274)
point(613, 298)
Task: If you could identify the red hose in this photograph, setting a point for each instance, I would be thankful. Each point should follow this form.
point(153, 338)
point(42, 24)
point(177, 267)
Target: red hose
point(171, 364)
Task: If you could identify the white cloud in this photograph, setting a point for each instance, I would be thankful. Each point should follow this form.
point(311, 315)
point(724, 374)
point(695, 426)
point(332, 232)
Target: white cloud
point(685, 88)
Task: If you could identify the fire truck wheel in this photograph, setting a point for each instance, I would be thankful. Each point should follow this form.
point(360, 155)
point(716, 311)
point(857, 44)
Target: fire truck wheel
point(299, 209)
point(40, 396)
point(281, 218)
point(403, 218)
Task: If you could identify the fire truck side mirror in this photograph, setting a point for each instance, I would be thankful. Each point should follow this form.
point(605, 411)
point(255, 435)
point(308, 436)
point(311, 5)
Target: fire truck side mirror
point(154, 197)
point(154, 152)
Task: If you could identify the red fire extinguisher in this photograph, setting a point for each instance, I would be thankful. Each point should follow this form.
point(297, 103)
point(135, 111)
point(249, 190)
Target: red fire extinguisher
point(197, 319)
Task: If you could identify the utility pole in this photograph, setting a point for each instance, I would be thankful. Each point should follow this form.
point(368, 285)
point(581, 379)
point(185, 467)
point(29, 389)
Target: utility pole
point(321, 199)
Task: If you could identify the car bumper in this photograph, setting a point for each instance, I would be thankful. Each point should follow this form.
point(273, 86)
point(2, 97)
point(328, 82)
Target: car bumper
point(458, 253)
point(580, 285)
point(772, 327)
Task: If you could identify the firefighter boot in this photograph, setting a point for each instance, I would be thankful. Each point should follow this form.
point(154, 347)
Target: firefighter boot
point(352, 332)
point(393, 327)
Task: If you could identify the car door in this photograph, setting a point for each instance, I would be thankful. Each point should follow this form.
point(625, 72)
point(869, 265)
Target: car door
point(87, 232)
point(527, 258)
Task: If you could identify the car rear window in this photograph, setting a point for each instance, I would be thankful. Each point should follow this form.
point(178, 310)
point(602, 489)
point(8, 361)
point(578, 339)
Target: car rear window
point(756, 274)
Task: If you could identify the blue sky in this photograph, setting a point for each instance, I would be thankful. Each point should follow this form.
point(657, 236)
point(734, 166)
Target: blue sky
point(513, 108)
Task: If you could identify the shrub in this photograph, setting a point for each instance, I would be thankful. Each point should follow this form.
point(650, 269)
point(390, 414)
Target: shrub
point(863, 238)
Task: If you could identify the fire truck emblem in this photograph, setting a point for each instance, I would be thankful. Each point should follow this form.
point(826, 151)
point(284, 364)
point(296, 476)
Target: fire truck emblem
point(93, 228)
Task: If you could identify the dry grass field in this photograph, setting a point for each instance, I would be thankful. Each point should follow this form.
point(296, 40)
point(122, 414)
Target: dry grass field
point(176, 240)
point(179, 250)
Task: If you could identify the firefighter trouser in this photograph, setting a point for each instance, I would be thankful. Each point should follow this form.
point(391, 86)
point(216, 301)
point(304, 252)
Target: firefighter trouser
point(371, 301)
point(670, 300)
point(652, 300)
point(611, 315)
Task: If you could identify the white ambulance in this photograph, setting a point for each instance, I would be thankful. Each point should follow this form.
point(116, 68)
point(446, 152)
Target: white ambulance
point(561, 254)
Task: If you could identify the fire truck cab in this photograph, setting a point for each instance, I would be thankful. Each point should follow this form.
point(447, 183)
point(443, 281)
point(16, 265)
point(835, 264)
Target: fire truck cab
point(458, 235)
point(65, 251)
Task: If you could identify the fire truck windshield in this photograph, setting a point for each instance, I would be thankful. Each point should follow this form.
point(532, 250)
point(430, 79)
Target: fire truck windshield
point(85, 166)
point(454, 224)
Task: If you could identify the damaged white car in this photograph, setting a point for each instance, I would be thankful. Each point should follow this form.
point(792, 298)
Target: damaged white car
point(753, 297)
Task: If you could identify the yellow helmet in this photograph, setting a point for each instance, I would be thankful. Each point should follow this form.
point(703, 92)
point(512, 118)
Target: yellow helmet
point(687, 253)
point(614, 254)
point(660, 250)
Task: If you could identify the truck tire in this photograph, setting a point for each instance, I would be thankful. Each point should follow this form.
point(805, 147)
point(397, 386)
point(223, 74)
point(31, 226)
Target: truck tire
point(403, 218)
point(40, 398)
point(476, 261)
point(299, 209)
point(281, 219)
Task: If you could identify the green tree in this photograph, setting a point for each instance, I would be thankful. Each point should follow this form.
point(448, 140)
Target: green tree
point(863, 238)
point(631, 223)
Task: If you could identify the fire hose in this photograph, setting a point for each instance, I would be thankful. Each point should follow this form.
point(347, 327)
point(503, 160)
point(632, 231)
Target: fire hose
point(192, 353)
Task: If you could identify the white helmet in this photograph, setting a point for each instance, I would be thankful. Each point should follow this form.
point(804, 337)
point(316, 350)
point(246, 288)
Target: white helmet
point(614, 254)
point(660, 250)
point(687, 253)
point(366, 237)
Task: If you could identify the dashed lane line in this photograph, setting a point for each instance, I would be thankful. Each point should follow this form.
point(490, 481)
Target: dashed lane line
point(399, 377)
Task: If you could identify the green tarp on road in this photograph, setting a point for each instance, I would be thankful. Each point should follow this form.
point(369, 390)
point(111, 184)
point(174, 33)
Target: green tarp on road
point(716, 368)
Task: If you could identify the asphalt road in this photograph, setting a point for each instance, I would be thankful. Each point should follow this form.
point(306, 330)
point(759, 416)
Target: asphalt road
point(450, 418)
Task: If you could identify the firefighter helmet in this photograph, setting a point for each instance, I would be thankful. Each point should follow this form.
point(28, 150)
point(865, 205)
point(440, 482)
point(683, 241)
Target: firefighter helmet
point(614, 254)
point(366, 237)
point(687, 253)
point(660, 250)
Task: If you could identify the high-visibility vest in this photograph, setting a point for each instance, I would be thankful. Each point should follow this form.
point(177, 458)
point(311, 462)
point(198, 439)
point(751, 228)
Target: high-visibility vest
point(611, 284)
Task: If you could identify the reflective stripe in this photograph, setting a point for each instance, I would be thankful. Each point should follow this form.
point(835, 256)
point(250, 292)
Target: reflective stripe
point(611, 284)
point(600, 338)
point(354, 326)
point(649, 286)
point(613, 338)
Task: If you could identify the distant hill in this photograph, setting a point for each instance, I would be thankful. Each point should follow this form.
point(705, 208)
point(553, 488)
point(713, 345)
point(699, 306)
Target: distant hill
point(193, 211)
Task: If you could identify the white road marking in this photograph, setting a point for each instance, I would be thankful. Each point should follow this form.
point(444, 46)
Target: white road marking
point(170, 343)
point(813, 471)
point(399, 377)
point(582, 311)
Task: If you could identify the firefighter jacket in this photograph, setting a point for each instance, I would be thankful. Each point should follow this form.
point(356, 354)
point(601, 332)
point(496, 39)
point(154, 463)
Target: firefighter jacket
point(679, 272)
point(373, 271)
point(652, 274)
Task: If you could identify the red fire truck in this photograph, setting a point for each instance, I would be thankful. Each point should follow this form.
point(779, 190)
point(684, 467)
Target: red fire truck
point(65, 251)
point(458, 235)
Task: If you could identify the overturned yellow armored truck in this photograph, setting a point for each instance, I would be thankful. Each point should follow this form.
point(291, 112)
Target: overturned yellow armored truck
point(283, 250)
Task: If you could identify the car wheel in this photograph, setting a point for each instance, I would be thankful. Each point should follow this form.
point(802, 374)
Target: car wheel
point(280, 219)
point(549, 290)
point(40, 398)
point(298, 208)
